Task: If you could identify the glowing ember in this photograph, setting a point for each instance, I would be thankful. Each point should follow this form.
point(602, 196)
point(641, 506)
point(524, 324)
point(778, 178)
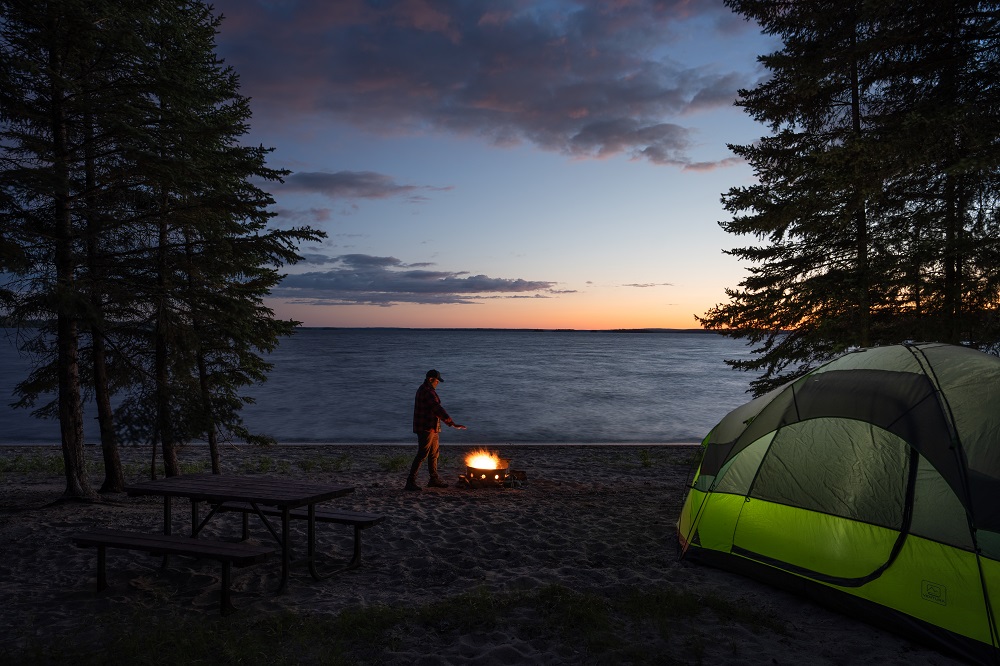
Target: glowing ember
point(482, 459)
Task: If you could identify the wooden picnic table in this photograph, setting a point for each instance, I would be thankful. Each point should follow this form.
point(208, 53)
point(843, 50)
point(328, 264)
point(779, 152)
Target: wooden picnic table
point(258, 491)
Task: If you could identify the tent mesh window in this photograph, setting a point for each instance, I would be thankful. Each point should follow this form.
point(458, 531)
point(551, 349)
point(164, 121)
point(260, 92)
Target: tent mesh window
point(860, 473)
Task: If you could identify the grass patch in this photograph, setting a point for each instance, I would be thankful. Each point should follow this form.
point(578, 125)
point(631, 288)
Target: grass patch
point(602, 629)
point(195, 467)
point(661, 603)
point(265, 465)
point(745, 612)
point(33, 462)
point(478, 609)
point(578, 618)
point(140, 471)
point(395, 463)
point(693, 459)
point(665, 605)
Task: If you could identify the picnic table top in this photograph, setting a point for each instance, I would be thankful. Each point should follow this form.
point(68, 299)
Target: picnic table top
point(265, 490)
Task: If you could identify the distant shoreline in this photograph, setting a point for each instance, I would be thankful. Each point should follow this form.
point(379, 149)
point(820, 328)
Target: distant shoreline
point(36, 324)
point(514, 330)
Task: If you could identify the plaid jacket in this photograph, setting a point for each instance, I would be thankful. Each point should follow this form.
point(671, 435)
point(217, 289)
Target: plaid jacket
point(427, 410)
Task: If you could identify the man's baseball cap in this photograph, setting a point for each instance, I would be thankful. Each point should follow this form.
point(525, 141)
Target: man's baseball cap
point(434, 374)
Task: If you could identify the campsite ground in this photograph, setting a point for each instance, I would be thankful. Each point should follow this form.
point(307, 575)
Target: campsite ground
point(578, 565)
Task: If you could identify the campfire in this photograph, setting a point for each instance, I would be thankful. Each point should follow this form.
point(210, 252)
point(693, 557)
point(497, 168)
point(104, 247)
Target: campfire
point(484, 469)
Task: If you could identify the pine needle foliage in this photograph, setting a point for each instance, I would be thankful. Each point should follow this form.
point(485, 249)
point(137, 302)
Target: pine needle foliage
point(134, 225)
point(874, 215)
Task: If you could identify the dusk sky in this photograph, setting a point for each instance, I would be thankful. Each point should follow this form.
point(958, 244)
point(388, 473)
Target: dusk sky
point(509, 163)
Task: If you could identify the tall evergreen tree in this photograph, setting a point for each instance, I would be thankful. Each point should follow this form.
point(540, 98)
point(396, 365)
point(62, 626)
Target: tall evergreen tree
point(843, 235)
point(213, 258)
point(130, 215)
point(943, 103)
point(45, 49)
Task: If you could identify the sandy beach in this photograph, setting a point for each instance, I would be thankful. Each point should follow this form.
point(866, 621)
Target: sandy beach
point(576, 565)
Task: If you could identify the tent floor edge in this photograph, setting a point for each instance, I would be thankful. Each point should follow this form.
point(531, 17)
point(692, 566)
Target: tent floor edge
point(907, 626)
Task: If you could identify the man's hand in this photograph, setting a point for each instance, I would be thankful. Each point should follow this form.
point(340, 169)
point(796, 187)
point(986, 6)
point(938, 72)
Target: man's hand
point(457, 426)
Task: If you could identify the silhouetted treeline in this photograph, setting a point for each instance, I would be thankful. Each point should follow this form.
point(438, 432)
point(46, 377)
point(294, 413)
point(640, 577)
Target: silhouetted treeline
point(132, 225)
point(874, 218)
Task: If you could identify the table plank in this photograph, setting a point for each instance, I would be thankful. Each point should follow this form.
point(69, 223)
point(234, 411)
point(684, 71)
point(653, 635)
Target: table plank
point(268, 491)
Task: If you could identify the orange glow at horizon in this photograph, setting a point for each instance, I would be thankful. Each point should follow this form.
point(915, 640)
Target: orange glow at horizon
point(620, 310)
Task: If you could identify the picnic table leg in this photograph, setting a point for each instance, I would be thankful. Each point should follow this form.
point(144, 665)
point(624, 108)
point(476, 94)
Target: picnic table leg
point(356, 560)
point(226, 604)
point(167, 523)
point(286, 555)
point(311, 531)
point(102, 578)
point(166, 514)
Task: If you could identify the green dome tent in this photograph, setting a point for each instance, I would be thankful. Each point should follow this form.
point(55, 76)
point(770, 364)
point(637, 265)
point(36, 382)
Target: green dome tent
point(871, 484)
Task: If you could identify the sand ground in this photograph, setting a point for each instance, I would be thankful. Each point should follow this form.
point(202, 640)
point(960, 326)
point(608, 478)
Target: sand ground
point(590, 529)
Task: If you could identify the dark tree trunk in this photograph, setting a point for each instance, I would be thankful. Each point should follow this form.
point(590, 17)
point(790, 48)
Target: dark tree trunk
point(114, 479)
point(71, 412)
point(211, 431)
point(164, 426)
point(65, 299)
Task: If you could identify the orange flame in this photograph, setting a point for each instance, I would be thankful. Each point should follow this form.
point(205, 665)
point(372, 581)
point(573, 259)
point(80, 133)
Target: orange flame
point(482, 459)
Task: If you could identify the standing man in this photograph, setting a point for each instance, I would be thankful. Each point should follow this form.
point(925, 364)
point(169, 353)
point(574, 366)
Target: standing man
point(427, 416)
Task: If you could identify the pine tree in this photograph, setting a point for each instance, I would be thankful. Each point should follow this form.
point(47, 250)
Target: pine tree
point(942, 95)
point(213, 259)
point(131, 219)
point(45, 50)
point(847, 239)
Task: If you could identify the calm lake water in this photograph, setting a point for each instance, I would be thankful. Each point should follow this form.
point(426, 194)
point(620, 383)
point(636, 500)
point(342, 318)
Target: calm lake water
point(357, 386)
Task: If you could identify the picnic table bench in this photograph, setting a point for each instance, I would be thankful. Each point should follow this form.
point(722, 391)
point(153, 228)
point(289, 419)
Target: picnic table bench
point(240, 554)
point(359, 521)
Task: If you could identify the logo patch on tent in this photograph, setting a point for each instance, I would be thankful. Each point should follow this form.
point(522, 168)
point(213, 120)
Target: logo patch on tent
point(935, 592)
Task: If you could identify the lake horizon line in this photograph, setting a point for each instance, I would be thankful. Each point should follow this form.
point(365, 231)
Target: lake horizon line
point(511, 330)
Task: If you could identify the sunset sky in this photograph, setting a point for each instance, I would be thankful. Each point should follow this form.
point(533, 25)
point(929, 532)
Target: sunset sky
point(510, 163)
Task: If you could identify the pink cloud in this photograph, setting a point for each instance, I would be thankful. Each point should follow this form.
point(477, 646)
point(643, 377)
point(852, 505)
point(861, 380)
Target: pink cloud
point(573, 76)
